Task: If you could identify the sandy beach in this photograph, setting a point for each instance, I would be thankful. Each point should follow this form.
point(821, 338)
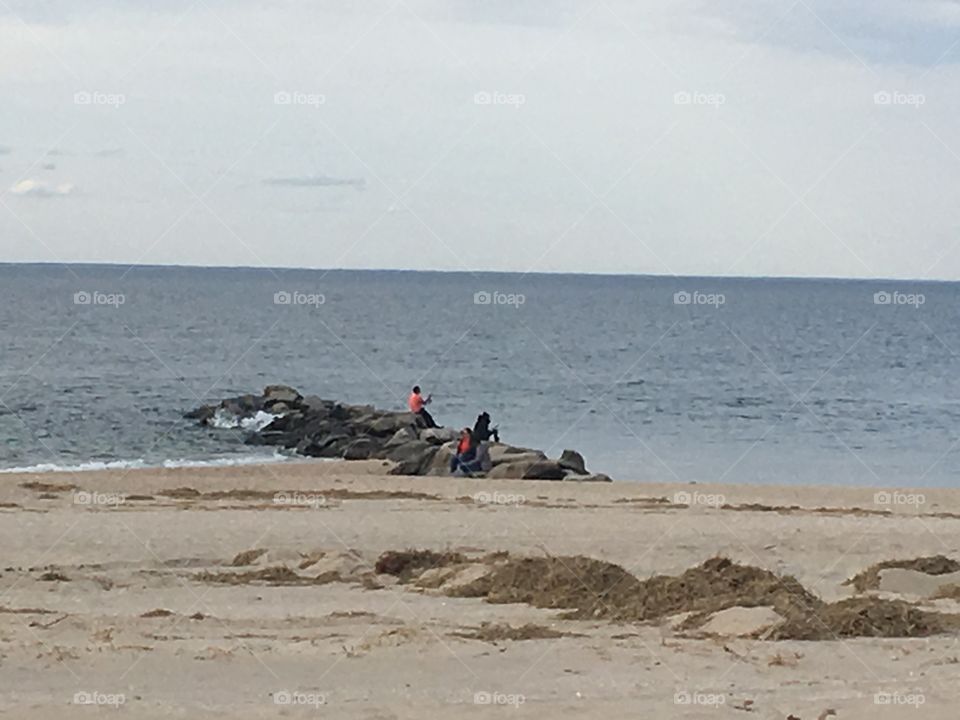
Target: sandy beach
point(253, 592)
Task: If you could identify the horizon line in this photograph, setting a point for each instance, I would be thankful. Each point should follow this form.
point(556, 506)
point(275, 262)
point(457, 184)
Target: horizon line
point(268, 268)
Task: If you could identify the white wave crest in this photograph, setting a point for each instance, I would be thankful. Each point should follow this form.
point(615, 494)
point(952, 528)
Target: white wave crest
point(226, 420)
point(140, 463)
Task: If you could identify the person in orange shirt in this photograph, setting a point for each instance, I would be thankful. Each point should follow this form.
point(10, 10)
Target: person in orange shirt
point(417, 404)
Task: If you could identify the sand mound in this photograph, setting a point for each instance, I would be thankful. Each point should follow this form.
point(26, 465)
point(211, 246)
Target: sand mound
point(866, 617)
point(407, 564)
point(869, 579)
point(498, 632)
point(278, 575)
point(594, 589)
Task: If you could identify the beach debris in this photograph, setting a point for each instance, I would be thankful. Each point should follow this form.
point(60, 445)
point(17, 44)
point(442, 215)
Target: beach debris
point(718, 597)
point(869, 579)
point(157, 612)
point(276, 575)
point(500, 632)
point(247, 557)
point(406, 564)
point(309, 425)
point(46, 487)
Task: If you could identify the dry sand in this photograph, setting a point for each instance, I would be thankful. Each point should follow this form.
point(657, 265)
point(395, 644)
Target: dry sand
point(153, 600)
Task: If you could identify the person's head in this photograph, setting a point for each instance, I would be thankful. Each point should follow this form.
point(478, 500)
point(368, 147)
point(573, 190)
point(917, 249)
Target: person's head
point(416, 389)
point(465, 432)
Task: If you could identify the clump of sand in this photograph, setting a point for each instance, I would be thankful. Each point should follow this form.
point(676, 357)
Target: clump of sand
point(407, 564)
point(500, 632)
point(869, 579)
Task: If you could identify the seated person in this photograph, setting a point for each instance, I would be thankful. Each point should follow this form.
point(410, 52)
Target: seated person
point(465, 458)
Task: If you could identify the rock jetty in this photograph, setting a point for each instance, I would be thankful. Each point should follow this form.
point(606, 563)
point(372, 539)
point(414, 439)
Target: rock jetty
point(315, 427)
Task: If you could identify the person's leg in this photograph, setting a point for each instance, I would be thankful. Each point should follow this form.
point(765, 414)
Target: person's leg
point(428, 418)
point(454, 463)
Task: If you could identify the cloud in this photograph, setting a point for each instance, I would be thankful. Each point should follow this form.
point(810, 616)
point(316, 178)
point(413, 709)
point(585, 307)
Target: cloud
point(315, 181)
point(110, 152)
point(49, 166)
point(39, 188)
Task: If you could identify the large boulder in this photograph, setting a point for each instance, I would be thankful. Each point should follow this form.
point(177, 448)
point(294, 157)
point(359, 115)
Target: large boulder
point(500, 453)
point(439, 436)
point(401, 436)
point(362, 448)
point(281, 393)
point(590, 477)
point(411, 457)
point(528, 470)
point(388, 424)
point(573, 461)
point(439, 464)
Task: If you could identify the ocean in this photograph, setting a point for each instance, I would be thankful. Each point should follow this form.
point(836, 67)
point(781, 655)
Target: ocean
point(778, 381)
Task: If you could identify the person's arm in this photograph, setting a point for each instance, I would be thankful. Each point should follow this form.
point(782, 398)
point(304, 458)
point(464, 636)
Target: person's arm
point(426, 400)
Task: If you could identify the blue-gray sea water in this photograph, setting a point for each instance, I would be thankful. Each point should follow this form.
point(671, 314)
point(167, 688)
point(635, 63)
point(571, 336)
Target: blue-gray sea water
point(652, 378)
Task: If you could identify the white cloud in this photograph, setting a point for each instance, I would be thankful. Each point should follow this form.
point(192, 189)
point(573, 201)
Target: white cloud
point(39, 188)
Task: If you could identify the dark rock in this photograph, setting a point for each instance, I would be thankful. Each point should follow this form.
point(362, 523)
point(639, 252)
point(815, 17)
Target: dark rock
point(573, 461)
point(439, 436)
point(411, 457)
point(361, 449)
point(590, 477)
point(528, 470)
point(281, 393)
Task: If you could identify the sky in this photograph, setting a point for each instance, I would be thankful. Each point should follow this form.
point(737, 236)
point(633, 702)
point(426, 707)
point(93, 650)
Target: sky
point(676, 137)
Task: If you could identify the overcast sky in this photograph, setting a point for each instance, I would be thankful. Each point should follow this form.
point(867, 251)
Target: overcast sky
point(742, 137)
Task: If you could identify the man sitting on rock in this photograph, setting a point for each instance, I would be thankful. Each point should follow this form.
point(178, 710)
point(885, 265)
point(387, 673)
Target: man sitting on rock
point(417, 404)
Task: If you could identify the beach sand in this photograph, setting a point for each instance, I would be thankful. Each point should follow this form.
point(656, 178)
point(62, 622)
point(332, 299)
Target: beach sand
point(127, 591)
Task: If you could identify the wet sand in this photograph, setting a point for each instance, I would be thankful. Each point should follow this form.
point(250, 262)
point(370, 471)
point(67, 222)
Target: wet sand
point(134, 591)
